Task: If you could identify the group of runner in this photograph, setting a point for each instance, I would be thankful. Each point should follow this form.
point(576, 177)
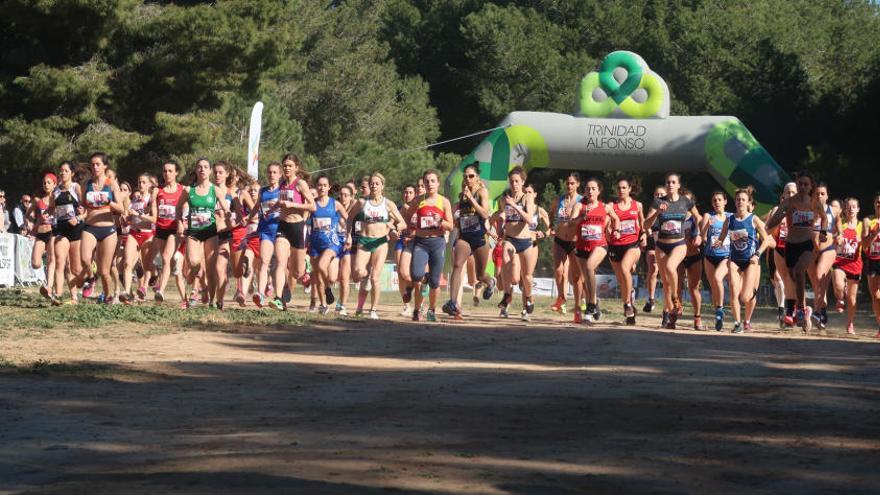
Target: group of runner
point(298, 229)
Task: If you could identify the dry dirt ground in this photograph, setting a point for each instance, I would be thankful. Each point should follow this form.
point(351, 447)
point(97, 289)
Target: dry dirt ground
point(488, 406)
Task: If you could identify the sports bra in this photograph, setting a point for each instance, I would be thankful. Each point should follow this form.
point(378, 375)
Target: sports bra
point(376, 213)
point(510, 213)
point(66, 203)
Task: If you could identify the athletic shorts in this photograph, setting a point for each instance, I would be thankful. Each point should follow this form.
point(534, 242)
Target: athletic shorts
point(498, 255)
point(475, 240)
point(164, 234)
point(585, 254)
point(44, 237)
point(742, 265)
point(294, 232)
point(519, 245)
point(72, 233)
point(668, 247)
point(715, 260)
point(567, 246)
point(873, 267)
point(794, 250)
point(371, 244)
point(616, 253)
point(203, 235)
point(318, 246)
point(225, 236)
point(689, 261)
point(238, 235)
point(267, 230)
point(141, 236)
point(100, 233)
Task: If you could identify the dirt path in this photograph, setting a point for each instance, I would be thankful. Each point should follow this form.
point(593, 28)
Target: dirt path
point(488, 407)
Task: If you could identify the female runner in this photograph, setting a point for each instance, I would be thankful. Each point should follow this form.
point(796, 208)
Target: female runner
point(520, 254)
point(433, 218)
point(346, 199)
point(595, 218)
point(744, 227)
point(800, 212)
point(651, 254)
point(65, 202)
point(624, 252)
point(296, 202)
point(269, 211)
point(691, 267)
point(716, 257)
point(249, 247)
point(225, 186)
point(871, 242)
point(42, 224)
point(201, 234)
point(782, 281)
point(473, 211)
point(381, 218)
point(564, 239)
point(123, 229)
point(672, 210)
point(404, 276)
point(848, 265)
point(166, 242)
point(820, 270)
point(99, 234)
point(324, 245)
point(140, 214)
point(403, 240)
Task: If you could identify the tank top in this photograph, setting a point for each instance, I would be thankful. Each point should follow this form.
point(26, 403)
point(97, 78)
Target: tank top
point(563, 214)
point(672, 220)
point(430, 216)
point(268, 199)
point(201, 209)
point(469, 221)
point(510, 213)
point(289, 192)
point(66, 203)
point(848, 250)
point(629, 224)
point(591, 230)
point(873, 251)
point(325, 222)
point(781, 234)
point(98, 199)
point(376, 213)
point(166, 207)
point(42, 212)
point(742, 237)
point(712, 235)
point(139, 205)
point(829, 214)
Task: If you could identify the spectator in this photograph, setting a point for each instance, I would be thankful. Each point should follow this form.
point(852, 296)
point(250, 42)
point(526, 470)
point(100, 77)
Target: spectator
point(19, 219)
point(4, 218)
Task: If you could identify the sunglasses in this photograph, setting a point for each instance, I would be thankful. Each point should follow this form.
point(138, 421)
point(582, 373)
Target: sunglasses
point(470, 176)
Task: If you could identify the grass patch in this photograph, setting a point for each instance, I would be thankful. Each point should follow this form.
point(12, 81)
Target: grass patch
point(42, 367)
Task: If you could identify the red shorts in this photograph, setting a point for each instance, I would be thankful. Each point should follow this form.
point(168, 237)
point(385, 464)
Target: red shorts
point(142, 236)
point(251, 242)
point(498, 255)
point(238, 235)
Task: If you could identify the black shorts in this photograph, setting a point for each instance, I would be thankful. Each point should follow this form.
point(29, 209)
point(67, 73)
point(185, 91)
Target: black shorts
point(850, 276)
point(475, 240)
point(72, 233)
point(294, 232)
point(794, 250)
point(44, 237)
point(616, 253)
point(689, 261)
point(742, 265)
point(567, 246)
point(651, 243)
point(203, 235)
point(164, 234)
point(584, 254)
point(873, 267)
point(715, 260)
point(225, 236)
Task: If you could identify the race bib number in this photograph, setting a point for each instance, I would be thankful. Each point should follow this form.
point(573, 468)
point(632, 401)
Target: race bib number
point(357, 226)
point(740, 239)
point(428, 222)
point(266, 207)
point(783, 231)
point(714, 238)
point(167, 212)
point(627, 227)
point(64, 212)
point(847, 250)
point(322, 224)
point(511, 215)
point(874, 249)
point(287, 194)
point(671, 228)
point(98, 198)
point(251, 228)
point(591, 232)
point(802, 218)
point(562, 214)
point(200, 219)
point(469, 223)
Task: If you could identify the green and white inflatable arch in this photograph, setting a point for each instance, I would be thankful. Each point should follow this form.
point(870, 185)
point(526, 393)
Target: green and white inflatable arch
point(623, 123)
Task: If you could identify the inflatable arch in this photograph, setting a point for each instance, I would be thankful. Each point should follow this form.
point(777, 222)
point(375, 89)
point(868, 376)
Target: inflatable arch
point(623, 123)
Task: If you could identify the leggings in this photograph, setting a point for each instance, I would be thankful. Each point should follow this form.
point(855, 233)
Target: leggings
point(430, 250)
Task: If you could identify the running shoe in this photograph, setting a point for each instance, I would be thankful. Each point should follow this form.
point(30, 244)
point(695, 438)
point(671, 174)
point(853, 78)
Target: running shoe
point(239, 298)
point(629, 313)
point(257, 298)
point(101, 298)
point(588, 318)
point(142, 294)
point(673, 319)
point(407, 295)
point(780, 316)
point(577, 317)
point(808, 319)
point(359, 313)
point(557, 306)
point(323, 310)
point(664, 321)
point(823, 319)
point(850, 329)
point(206, 298)
point(219, 305)
point(184, 304)
point(153, 280)
point(159, 297)
point(278, 304)
point(788, 321)
point(406, 310)
point(592, 313)
point(737, 327)
point(698, 323)
point(747, 326)
point(817, 318)
point(313, 308)
point(719, 319)
point(416, 316)
point(524, 315)
point(55, 300)
point(489, 290)
point(328, 294)
point(649, 306)
point(341, 311)
point(597, 313)
point(430, 315)
point(306, 280)
point(374, 315)
point(88, 288)
point(504, 313)
point(449, 307)
point(44, 291)
point(125, 298)
point(424, 289)
point(840, 306)
point(286, 296)
point(530, 306)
